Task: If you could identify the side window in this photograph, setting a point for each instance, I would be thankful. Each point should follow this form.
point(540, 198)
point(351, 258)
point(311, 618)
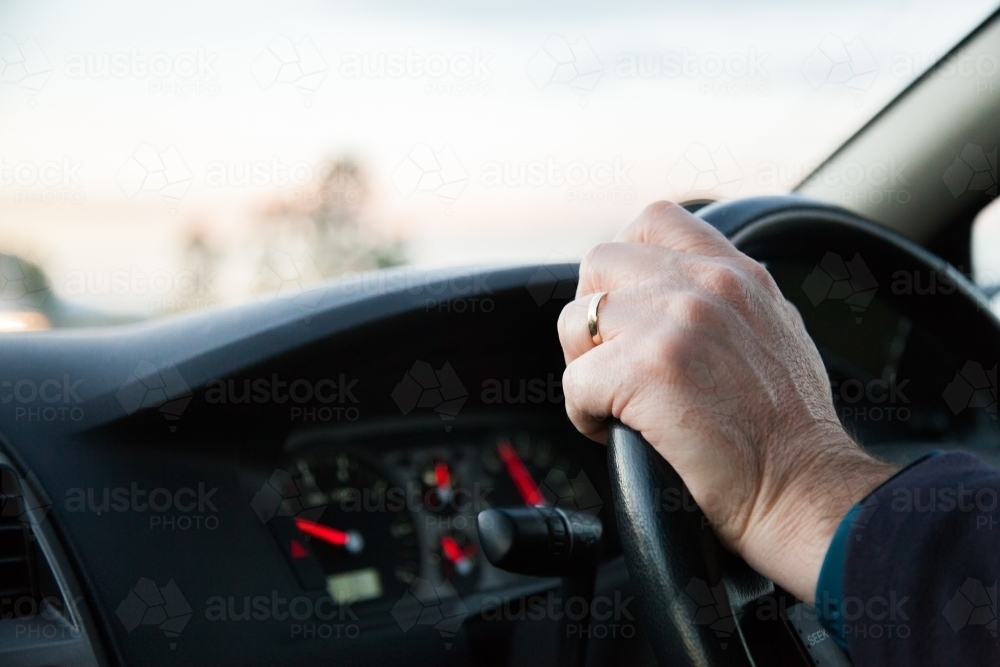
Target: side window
point(986, 252)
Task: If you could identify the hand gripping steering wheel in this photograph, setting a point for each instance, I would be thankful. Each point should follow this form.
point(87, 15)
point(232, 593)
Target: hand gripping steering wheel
point(693, 594)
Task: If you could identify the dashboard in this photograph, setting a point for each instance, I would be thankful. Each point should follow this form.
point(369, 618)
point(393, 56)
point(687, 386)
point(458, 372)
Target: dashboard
point(324, 465)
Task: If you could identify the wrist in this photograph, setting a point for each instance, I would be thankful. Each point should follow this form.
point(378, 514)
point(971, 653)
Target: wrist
point(790, 535)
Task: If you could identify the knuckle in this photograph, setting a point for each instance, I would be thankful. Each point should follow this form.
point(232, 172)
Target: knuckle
point(794, 313)
point(561, 323)
point(671, 352)
point(725, 282)
point(571, 382)
point(757, 271)
point(695, 311)
point(761, 276)
point(595, 253)
point(660, 209)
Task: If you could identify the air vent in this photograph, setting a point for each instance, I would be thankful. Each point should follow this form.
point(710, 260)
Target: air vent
point(17, 571)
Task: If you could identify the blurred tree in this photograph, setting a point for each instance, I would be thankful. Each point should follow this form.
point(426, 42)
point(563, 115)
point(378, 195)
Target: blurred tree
point(310, 234)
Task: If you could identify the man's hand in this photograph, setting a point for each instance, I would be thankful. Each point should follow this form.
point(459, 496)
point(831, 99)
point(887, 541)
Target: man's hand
point(703, 355)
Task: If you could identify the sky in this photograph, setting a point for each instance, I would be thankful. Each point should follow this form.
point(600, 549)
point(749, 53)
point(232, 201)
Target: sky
point(486, 132)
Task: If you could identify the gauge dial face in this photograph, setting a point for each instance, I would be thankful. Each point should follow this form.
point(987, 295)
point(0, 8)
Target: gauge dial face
point(360, 529)
point(457, 554)
point(448, 479)
point(523, 470)
point(458, 482)
point(527, 470)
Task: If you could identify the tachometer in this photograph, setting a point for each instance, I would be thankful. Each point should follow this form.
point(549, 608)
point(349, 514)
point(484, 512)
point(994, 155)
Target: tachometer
point(365, 539)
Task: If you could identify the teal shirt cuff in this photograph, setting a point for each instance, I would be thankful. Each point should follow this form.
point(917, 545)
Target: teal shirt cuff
point(830, 585)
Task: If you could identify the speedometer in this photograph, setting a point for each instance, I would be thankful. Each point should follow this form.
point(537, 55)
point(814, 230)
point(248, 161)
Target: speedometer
point(365, 539)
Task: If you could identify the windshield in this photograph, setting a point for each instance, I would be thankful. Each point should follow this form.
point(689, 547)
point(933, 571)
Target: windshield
point(164, 157)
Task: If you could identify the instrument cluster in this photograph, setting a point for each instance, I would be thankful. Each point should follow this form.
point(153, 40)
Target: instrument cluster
point(378, 519)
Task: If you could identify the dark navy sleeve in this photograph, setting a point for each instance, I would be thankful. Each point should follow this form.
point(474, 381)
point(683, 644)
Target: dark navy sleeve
point(911, 576)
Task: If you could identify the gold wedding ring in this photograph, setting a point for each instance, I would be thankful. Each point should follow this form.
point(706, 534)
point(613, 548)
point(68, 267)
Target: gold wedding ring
point(592, 323)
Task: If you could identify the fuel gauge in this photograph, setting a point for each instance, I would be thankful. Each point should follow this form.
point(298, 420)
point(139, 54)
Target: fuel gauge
point(458, 555)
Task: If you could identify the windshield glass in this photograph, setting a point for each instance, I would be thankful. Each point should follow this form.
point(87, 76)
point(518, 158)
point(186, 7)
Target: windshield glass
point(163, 157)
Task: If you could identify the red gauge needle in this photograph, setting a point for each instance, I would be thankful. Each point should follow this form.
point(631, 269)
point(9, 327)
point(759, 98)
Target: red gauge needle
point(442, 476)
point(350, 540)
point(454, 553)
point(519, 473)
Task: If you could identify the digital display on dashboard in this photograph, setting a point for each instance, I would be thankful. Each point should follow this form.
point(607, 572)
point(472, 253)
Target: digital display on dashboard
point(354, 586)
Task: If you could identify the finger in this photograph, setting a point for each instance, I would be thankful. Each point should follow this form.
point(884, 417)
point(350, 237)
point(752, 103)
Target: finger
point(668, 225)
point(611, 266)
point(574, 334)
point(598, 386)
point(588, 387)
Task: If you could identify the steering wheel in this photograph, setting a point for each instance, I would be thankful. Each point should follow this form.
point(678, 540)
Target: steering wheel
point(691, 592)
